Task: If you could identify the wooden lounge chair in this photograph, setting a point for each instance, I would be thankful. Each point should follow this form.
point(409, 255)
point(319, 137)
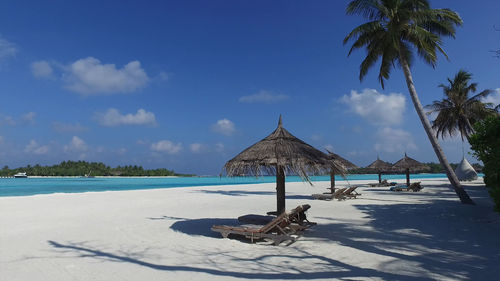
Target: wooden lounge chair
point(277, 230)
point(298, 218)
point(351, 192)
point(381, 184)
point(415, 187)
point(338, 194)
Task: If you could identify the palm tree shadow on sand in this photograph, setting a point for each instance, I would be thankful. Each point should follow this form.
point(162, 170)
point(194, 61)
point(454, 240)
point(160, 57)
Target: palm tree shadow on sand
point(338, 269)
point(436, 239)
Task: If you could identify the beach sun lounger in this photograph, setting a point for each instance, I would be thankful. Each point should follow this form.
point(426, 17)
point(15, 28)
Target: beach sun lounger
point(383, 183)
point(298, 218)
point(351, 192)
point(278, 230)
point(415, 187)
point(338, 194)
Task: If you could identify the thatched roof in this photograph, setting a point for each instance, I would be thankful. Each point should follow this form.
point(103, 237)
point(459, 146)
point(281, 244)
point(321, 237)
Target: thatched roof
point(379, 166)
point(281, 148)
point(346, 163)
point(411, 164)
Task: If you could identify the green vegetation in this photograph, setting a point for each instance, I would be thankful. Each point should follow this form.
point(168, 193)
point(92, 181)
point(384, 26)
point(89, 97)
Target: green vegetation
point(80, 168)
point(486, 144)
point(393, 32)
point(457, 111)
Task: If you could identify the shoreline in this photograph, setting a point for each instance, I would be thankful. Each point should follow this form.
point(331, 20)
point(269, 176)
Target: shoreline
point(21, 188)
point(214, 176)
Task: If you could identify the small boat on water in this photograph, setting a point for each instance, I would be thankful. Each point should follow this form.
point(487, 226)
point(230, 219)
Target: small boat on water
point(88, 175)
point(20, 175)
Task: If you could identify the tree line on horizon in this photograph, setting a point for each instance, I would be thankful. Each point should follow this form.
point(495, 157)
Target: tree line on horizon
point(82, 168)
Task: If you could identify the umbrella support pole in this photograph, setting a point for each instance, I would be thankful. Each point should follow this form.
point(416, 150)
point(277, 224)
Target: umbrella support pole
point(407, 177)
point(332, 182)
point(379, 177)
point(280, 190)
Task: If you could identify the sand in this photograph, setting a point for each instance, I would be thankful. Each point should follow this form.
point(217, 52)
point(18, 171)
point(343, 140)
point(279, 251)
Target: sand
point(164, 234)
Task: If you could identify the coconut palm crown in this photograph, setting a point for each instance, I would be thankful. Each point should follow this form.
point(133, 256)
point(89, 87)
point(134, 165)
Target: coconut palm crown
point(395, 29)
point(457, 111)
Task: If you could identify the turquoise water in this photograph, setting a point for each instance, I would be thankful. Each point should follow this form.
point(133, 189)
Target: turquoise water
point(32, 186)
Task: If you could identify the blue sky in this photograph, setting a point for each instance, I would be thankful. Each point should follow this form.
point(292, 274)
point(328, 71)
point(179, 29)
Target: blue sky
point(187, 85)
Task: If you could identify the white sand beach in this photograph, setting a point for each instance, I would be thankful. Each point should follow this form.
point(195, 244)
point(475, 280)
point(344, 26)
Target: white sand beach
point(164, 234)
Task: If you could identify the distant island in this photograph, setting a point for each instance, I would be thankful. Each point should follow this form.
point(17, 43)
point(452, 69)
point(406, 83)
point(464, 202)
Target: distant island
point(89, 169)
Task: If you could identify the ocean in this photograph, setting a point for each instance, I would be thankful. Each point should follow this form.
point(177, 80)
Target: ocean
point(33, 186)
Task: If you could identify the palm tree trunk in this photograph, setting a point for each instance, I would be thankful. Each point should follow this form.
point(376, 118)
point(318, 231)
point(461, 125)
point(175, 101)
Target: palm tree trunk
point(461, 193)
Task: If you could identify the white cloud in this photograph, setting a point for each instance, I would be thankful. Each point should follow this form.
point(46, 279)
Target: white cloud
point(224, 127)
point(219, 147)
point(121, 151)
point(112, 117)
point(493, 98)
point(376, 108)
point(35, 148)
point(7, 49)
point(162, 76)
point(197, 147)
point(89, 76)
point(41, 69)
point(316, 137)
point(25, 119)
point(8, 120)
point(328, 147)
point(68, 128)
point(394, 140)
point(263, 96)
point(76, 145)
point(28, 117)
point(166, 146)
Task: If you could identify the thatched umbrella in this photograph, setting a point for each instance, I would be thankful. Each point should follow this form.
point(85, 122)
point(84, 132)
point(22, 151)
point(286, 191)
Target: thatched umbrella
point(407, 165)
point(348, 165)
point(379, 167)
point(278, 154)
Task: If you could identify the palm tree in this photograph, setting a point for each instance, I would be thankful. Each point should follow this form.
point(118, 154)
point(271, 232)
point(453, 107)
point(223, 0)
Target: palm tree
point(457, 111)
point(394, 29)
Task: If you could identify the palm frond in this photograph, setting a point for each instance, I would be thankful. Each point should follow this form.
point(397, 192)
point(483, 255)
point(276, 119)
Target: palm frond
point(363, 35)
point(479, 96)
point(370, 9)
point(396, 29)
point(371, 59)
